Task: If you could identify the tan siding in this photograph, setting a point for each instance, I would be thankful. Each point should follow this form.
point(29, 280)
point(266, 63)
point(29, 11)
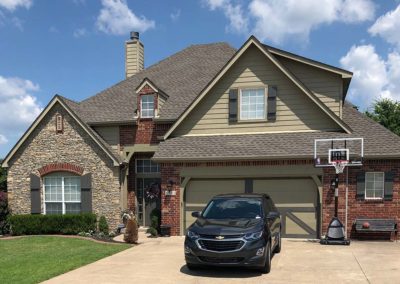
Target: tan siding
point(327, 86)
point(110, 134)
point(295, 111)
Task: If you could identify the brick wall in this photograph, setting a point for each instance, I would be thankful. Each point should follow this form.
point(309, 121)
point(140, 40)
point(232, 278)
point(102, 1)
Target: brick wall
point(360, 208)
point(170, 205)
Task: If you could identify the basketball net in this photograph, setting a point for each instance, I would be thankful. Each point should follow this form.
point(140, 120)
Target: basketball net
point(339, 165)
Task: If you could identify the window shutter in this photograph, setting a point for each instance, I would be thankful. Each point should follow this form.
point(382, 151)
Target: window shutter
point(233, 105)
point(388, 191)
point(36, 204)
point(360, 195)
point(86, 193)
point(271, 105)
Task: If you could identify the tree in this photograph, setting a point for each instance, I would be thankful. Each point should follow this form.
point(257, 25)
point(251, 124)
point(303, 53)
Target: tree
point(3, 178)
point(387, 113)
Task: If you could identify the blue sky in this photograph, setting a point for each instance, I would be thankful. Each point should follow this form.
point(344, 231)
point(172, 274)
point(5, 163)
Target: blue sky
point(76, 48)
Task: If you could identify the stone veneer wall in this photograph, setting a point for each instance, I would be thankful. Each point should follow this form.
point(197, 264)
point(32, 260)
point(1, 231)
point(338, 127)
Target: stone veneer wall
point(74, 146)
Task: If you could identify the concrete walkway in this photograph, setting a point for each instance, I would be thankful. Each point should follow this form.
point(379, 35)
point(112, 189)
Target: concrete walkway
point(161, 260)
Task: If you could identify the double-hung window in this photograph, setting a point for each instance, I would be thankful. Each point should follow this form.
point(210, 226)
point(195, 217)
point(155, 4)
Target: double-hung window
point(62, 194)
point(374, 185)
point(252, 104)
point(147, 106)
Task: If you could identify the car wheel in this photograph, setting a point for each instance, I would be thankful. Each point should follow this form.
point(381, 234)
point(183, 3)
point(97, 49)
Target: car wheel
point(278, 246)
point(267, 266)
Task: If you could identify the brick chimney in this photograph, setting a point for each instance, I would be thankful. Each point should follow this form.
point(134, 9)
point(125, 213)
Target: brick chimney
point(134, 55)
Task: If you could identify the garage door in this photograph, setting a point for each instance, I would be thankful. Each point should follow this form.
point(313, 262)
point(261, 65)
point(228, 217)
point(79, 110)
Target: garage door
point(199, 192)
point(297, 201)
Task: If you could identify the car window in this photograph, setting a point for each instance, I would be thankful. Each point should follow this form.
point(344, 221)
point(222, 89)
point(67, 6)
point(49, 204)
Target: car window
point(235, 208)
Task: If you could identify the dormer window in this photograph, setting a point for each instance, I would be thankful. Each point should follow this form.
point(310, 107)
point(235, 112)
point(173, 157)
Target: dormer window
point(147, 106)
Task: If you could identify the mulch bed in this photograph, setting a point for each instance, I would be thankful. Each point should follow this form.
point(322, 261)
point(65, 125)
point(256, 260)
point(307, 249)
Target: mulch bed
point(97, 240)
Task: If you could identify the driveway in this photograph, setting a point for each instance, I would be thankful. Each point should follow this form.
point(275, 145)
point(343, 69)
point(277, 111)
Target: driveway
point(161, 261)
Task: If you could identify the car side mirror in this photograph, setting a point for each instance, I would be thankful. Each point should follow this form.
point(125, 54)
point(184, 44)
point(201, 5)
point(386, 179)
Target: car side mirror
point(273, 215)
point(196, 214)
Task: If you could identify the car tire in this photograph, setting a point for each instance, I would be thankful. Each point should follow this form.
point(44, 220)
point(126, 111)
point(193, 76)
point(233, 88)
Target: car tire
point(267, 267)
point(191, 266)
point(278, 246)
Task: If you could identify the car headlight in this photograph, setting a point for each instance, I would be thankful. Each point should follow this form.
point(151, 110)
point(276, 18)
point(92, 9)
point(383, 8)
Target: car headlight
point(192, 235)
point(253, 236)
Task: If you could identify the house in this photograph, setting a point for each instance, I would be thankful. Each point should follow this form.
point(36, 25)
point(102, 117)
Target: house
point(209, 119)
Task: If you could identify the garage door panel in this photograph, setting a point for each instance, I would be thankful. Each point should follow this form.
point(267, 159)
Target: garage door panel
point(199, 192)
point(296, 200)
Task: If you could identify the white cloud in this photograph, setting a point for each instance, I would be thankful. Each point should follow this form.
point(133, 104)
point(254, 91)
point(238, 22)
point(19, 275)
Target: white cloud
point(278, 20)
point(79, 32)
point(175, 15)
point(12, 5)
point(116, 18)
point(238, 21)
point(18, 23)
point(374, 77)
point(3, 139)
point(53, 29)
point(388, 27)
point(18, 107)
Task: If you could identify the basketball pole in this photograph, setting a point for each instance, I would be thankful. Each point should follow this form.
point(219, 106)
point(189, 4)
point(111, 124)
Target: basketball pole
point(336, 194)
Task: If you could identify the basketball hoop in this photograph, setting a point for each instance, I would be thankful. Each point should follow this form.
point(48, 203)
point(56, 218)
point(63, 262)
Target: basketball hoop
point(339, 165)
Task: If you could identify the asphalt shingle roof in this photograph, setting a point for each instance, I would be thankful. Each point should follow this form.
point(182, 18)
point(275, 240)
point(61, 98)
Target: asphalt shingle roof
point(378, 142)
point(181, 76)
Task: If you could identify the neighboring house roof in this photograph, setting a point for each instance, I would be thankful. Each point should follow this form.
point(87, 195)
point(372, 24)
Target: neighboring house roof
point(181, 76)
point(70, 107)
point(254, 41)
point(378, 143)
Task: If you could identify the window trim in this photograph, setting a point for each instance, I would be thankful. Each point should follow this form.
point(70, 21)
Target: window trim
point(383, 182)
point(141, 106)
point(63, 201)
point(265, 88)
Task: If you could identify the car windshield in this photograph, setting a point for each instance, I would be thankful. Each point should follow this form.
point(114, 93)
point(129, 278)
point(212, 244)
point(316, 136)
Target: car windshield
point(236, 208)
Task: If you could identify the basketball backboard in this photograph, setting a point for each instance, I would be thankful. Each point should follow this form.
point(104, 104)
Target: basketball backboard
point(328, 152)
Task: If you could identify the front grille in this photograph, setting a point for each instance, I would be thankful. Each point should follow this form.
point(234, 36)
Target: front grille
point(221, 260)
point(225, 236)
point(221, 245)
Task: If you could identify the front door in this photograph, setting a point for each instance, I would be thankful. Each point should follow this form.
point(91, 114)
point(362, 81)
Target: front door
point(148, 198)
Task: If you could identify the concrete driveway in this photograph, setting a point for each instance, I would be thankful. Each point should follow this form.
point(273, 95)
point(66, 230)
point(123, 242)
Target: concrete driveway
point(161, 261)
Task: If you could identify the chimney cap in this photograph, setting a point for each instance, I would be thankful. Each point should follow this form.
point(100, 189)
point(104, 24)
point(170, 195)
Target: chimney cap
point(134, 35)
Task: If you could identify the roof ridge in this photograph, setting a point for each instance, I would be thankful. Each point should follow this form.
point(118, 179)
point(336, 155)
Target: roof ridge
point(149, 68)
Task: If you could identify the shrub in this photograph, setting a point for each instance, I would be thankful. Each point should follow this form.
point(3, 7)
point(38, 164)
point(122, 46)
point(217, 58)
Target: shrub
point(70, 224)
point(4, 213)
point(103, 225)
point(131, 231)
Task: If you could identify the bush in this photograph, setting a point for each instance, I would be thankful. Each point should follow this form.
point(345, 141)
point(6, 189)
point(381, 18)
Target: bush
point(4, 213)
point(131, 235)
point(70, 224)
point(103, 225)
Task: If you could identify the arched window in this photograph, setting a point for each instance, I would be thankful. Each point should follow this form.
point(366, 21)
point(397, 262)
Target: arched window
point(62, 193)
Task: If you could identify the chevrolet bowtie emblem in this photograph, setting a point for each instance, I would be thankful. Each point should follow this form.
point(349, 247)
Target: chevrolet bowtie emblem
point(220, 237)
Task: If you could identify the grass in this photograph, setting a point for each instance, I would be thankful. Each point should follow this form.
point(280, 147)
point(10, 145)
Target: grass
point(38, 258)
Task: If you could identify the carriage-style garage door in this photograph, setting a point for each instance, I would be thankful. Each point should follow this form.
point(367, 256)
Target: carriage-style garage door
point(295, 198)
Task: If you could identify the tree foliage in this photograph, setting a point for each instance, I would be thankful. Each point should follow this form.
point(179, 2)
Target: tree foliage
point(3, 178)
point(387, 113)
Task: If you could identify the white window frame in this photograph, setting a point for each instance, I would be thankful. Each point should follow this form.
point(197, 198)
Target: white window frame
point(265, 89)
point(136, 167)
point(383, 186)
point(141, 106)
point(63, 201)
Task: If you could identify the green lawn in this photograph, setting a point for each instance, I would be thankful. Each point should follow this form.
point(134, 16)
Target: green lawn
point(35, 259)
